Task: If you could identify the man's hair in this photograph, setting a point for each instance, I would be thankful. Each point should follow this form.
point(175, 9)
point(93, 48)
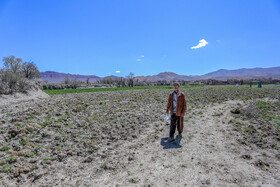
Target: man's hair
point(176, 83)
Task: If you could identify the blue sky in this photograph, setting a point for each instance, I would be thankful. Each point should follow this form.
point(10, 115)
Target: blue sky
point(115, 37)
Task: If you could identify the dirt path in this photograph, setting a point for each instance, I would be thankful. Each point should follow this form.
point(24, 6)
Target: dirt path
point(208, 154)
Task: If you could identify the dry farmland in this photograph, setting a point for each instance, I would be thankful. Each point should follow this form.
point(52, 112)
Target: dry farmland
point(118, 138)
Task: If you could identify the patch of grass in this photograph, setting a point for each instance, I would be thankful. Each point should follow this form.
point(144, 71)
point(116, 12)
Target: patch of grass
point(58, 148)
point(183, 166)
point(263, 105)
point(6, 169)
point(47, 117)
point(29, 154)
point(95, 117)
point(275, 147)
point(2, 162)
point(38, 148)
point(132, 181)
point(23, 142)
point(64, 91)
point(247, 130)
point(11, 159)
point(4, 148)
point(190, 136)
point(52, 159)
point(94, 148)
point(104, 165)
point(69, 125)
point(46, 123)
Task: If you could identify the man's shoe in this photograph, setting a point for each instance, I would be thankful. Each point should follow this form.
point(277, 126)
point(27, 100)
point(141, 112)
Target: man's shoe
point(179, 135)
point(171, 139)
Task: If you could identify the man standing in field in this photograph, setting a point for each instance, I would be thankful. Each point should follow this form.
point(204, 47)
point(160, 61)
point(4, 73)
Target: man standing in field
point(177, 105)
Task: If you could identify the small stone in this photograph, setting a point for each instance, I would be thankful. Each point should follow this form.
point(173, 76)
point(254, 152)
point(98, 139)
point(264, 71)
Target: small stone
point(25, 170)
point(37, 176)
point(261, 164)
point(235, 111)
point(33, 160)
point(70, 153)
point(247, 157)
point(16, 173)
point(88, 159)
point(61, 156)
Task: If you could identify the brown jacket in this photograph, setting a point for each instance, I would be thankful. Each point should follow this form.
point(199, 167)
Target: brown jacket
point(181, 104)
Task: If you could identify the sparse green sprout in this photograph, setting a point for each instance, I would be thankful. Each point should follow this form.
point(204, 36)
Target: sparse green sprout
point(4, 148)
point(58, 148)
point(6, 169)
point(51, 159)
point(132, 180)
point(23, 142)
point(29, 154)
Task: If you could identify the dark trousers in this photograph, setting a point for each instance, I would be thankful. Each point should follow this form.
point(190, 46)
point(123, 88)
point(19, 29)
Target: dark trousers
point(175, 121)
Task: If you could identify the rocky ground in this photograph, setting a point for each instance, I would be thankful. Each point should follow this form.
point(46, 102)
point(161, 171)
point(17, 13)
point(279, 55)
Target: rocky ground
point(119, 139)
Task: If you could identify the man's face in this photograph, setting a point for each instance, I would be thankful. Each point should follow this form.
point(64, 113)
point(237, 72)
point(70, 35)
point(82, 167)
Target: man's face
point(176, 86)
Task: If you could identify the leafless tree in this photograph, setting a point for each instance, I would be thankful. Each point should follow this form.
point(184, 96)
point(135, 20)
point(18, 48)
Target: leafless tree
point(119, 81)
point(66, 80)
point(130, 78)
point(30, 70)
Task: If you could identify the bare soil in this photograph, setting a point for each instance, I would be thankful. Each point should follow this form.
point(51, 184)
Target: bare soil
point(119, 139)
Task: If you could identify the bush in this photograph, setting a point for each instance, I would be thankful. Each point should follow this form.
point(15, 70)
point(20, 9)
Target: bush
point(12, 82)
point(75, 84)
point(15, 75)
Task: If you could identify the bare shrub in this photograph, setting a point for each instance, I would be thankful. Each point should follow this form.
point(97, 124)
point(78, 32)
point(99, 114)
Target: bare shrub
point(24, 85)
point(66, 80)
point(75, 83)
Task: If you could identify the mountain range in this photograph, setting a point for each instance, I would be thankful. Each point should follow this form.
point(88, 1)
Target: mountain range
point(222, 74)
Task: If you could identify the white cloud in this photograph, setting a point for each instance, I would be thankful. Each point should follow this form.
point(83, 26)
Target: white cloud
point(118, 71)
point(201, 43)
point(142, 56)
point(138, 60)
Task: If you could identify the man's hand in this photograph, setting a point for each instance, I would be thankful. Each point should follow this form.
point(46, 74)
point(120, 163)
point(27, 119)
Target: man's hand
point(182, 115)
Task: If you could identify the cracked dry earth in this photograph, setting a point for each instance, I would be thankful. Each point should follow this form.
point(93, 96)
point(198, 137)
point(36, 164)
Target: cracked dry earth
point(119, 139)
